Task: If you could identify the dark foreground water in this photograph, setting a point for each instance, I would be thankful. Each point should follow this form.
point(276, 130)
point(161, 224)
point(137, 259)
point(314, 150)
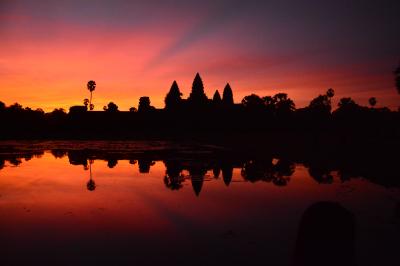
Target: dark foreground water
point(141, 203)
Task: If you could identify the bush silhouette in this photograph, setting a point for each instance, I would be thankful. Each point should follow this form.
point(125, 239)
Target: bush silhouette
point(144, 104)
point(111, 107)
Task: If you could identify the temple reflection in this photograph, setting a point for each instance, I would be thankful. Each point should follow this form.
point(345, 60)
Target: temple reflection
point(197, 169)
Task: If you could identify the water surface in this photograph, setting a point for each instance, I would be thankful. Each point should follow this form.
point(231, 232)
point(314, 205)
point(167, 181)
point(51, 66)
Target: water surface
point(68, 204)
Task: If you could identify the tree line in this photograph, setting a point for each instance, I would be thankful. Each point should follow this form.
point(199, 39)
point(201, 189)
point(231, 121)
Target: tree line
point(200, 114)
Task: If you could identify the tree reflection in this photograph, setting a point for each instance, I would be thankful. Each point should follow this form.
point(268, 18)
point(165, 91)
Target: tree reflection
point(173, 175)
point(91, 185)
point(321, 175)
point(144, 165)
point(58, 154)
point(15, 161)
point(264, 170)
point(112, 162)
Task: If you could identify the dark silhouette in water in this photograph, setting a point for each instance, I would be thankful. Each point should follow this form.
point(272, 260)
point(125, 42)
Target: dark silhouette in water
point(255, 166)
point(326, 236)
point(197, 171)
point(144, 165)
point(173, 177)
point(91, 185)
point(227, 172)
point(112, 162)
point(216, 171)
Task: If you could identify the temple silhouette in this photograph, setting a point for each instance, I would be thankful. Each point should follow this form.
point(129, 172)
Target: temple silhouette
point(217, 119)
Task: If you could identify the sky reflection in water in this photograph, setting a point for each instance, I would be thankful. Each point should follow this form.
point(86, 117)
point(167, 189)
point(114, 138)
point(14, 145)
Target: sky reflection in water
point(141, 212)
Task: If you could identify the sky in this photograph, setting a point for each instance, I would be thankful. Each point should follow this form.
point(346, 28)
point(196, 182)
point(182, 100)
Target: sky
point(50, 49)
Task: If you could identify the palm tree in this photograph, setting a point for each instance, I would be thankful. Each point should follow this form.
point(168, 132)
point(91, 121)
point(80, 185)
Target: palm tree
point(397, 78)
point(372, 101)
point(91, 86)
point(330, 93)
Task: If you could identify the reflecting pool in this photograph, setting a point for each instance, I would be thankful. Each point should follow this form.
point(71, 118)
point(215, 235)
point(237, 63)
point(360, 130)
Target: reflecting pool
point(139, 203)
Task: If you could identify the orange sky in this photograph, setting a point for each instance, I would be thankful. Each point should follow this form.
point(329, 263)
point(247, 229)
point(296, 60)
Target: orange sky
point(48, 52)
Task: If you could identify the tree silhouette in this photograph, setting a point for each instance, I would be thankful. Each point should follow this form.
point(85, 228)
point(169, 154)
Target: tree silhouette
point(2, 106)
point(346, 102)
point(283, 103)
point(372, 101)
point(216, 98)
point(173, 98)
point(321, 104)
point(253, 102)
point(347, 109)
point(144, 104)
point(269, 103)
point(197, 96)
point(91, 86)
point(111, 107)
point(397, 78)
point(132, 110)
point(227, 96)
point(330, 93)
point(16, 107)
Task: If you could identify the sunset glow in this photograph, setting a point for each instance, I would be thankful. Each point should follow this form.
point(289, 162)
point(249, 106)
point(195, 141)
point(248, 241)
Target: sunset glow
point(49, 50)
